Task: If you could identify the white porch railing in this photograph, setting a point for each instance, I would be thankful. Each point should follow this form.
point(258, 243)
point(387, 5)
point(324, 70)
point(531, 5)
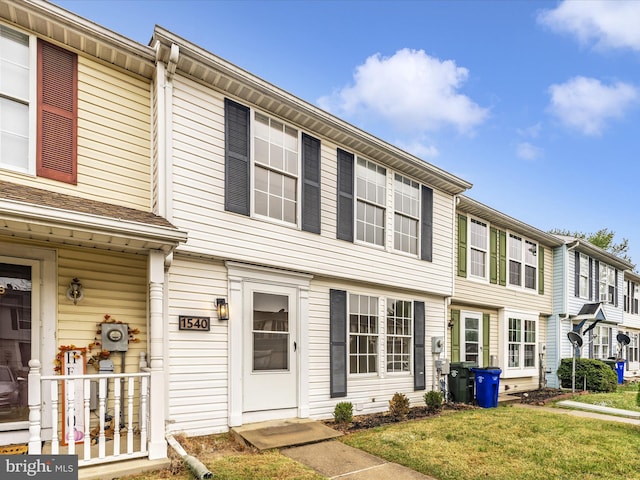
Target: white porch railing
point(110, 416)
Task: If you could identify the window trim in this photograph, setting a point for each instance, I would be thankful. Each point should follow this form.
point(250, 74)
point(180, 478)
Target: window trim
point(32, 102)
point(607, 269)
point(523, 263)
point(503, 325)
point(608, 345)
point(357, 198)
point(470, 247)
point(411, 336)
point(394, 211)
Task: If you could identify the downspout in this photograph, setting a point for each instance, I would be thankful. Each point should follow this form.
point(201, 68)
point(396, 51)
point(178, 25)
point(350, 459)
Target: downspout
point(198, 468)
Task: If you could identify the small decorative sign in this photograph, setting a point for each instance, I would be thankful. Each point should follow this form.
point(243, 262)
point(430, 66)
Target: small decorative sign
point(202, 324)
point(73, 363)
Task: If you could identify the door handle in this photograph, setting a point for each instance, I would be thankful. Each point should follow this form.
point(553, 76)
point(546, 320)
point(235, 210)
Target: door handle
point(295, 346)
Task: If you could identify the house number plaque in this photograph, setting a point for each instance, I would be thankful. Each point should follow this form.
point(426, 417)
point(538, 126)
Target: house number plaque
point(202, 324)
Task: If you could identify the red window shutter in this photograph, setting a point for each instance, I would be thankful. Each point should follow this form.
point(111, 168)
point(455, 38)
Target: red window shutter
point(56, 147)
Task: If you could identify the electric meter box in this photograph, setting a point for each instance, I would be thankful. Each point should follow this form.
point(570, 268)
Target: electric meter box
point(115, 337)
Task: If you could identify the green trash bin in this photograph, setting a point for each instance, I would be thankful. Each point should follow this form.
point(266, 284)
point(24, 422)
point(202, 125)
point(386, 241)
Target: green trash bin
point(461, 381)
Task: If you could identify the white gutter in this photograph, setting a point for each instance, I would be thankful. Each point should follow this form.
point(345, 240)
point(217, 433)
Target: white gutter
point(86, 222)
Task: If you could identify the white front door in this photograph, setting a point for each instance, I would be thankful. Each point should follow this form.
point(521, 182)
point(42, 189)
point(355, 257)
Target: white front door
point(471, 338)
point(270, 346)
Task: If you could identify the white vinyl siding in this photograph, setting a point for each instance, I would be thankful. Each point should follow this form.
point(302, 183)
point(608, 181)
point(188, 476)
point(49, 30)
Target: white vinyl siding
point(198, 207)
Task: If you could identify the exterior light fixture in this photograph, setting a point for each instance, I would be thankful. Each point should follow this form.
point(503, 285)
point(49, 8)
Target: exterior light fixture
point(75, 292)
point(223, 309)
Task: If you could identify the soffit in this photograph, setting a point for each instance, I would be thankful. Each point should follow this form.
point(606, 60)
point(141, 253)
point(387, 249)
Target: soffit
point(65, 28)
point(217, 73)
point(504, 221)
point(36, 214)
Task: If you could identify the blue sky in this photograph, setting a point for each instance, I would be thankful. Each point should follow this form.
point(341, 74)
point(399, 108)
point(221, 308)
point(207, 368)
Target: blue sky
point(536, 103)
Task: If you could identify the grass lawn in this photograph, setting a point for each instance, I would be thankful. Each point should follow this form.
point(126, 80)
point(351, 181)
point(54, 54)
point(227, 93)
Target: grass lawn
point(508, 443)
point(624, 398)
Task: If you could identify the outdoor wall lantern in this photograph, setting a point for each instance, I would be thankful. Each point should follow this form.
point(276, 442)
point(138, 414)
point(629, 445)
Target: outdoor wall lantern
point(75, 292)
point(223, 309)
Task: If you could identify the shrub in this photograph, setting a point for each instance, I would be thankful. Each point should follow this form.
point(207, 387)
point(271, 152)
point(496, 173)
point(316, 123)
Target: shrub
point(433, 400)
point(343, 413)
point(638, 396)
point(600, 376)
point(399, 405)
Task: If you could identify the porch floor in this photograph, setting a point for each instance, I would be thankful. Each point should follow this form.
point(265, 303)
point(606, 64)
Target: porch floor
point(283, 433)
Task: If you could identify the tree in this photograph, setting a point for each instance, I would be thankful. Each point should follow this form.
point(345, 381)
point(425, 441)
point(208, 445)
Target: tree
point(603, 239)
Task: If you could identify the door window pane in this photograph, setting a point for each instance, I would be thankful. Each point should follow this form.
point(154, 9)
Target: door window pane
point(15, 340)
point(270, 332)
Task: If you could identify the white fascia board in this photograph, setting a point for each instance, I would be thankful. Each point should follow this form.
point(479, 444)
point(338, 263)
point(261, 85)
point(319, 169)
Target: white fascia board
point(60, 218)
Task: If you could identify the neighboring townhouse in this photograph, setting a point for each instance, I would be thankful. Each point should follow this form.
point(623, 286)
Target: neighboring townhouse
point(589, 298)
point(80, 248)
point(631, 323)
point(503, 294)
point(331, 249)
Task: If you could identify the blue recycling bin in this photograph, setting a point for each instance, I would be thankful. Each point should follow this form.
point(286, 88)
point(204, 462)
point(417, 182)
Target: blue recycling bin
point(487, 385)
point(620, 371)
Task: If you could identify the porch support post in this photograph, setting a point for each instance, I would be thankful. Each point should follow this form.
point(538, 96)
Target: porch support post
point(157, 388)
point(35, 414)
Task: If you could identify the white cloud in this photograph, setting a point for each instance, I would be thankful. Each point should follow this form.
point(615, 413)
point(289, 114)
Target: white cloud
point(586, 104)
point(411, 91)
point(532, 131)
point(605, 23)
point(418, 148)
point(526, 151)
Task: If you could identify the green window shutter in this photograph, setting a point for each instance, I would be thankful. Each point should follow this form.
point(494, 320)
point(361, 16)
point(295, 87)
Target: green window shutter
point(462, 246)
point(502, 256)
point(455, 336)
point(486, 323)
point(540, 270)
point(493, 255)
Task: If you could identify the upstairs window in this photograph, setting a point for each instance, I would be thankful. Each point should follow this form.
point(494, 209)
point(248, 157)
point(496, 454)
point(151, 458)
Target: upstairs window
point(15, 100)
point(406, 215)
point(276, 169)
point(584, 276)
point(478, 248)
point(607, 283)
point(371, 194)
point(523, 262)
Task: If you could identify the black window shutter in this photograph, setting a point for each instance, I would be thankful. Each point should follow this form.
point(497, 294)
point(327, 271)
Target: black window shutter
point(426, 248)
point(596, 272)
point(236, 172)
point(345, 196)
point(310, 184)
point(419, 382)
point(338, 342)
point(577, 274)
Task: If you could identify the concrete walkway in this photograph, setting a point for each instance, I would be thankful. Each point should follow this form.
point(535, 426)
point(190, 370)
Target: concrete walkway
point(585, 410)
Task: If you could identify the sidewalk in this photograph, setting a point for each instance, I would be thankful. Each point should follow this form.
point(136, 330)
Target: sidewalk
point(586, 410)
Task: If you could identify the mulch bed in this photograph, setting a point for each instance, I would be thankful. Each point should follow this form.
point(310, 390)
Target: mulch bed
point(362, 422)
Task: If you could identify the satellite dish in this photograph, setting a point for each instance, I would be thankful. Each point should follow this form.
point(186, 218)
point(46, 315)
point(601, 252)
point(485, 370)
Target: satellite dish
point(623, 339)
point(575, 339)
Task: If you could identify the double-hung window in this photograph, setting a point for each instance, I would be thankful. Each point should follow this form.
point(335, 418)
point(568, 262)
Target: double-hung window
point(363, 334)
point(478, 248)
point(406, 214)
point(15, 101)
point(371, 193)
point(276, 169)
point(584, 276)
point(521, 342)
point(399, 335)
point(38, 107)
point(523, 266)
point(632, 348)
point(607, 280)
point(601, 342)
